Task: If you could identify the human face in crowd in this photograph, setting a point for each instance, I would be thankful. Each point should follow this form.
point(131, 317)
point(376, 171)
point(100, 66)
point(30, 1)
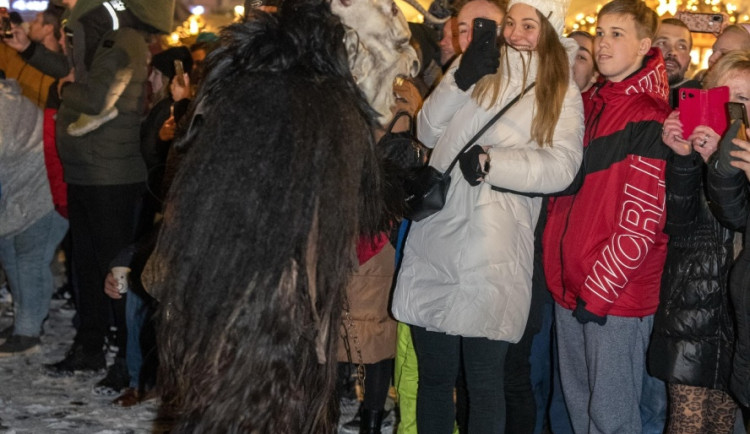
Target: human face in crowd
point(583, 66)
point(618, 50)
point(70, 4)
point(37, 29)
point(739, 87)
point(156, 80)
point(471, 10)
point(522, 27)
point(199, 56)
point(449, 44)
point(675, 43)
point(726, 42)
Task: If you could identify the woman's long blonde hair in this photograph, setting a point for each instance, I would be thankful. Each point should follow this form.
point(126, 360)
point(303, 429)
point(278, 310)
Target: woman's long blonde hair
point(553, 74)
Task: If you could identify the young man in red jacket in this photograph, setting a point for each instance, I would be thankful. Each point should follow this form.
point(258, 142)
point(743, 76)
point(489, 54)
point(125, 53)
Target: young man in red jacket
point(604, 248)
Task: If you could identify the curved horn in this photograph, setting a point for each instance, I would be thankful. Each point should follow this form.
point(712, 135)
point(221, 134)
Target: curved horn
point(430, 18)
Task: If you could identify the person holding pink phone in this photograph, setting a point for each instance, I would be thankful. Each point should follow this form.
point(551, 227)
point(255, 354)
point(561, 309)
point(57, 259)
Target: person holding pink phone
point(693, 338)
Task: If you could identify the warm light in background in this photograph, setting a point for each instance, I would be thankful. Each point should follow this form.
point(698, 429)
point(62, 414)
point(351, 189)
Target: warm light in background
point(239, 12)
point(667, 6)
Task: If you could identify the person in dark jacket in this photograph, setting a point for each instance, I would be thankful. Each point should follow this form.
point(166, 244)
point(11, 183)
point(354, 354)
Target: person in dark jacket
point(104, 169)
point(728, 174)
point(693, 337)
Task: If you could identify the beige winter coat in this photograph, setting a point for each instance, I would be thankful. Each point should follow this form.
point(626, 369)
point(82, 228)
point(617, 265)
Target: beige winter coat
point(369, 292)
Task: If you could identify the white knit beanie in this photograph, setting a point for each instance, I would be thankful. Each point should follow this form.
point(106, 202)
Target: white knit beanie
point(554, 10)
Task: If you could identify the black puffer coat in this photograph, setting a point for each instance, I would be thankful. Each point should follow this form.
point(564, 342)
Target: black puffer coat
point(693, 336)
point(729, 195)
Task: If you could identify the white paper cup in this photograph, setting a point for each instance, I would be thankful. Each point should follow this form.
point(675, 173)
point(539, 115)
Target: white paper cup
point(121, 276)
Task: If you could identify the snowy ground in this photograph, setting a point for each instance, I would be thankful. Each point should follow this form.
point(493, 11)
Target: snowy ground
point(31, 402)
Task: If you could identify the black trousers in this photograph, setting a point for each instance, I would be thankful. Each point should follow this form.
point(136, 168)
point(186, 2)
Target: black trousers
point(102, 223)
point(439, 355)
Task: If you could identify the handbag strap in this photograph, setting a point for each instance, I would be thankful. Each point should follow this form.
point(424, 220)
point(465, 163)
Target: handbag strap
point(398, 116)
point(488, 125)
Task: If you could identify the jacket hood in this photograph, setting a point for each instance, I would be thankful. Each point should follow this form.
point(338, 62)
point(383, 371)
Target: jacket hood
point(650, 79)
point(155, 13)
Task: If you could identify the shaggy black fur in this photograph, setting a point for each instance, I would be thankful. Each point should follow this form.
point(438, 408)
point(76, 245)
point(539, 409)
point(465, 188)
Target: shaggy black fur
point(260, 226)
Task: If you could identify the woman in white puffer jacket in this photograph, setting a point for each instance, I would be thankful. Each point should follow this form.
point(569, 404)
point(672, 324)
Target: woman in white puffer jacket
point(465, 281)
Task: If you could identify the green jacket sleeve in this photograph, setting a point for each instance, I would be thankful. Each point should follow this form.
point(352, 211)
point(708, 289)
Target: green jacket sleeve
point(49, 62)
point(109, 74)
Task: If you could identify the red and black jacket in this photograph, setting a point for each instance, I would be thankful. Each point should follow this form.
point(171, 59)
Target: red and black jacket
point(605, 244)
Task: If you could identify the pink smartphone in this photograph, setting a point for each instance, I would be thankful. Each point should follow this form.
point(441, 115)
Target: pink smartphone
point(703, 107)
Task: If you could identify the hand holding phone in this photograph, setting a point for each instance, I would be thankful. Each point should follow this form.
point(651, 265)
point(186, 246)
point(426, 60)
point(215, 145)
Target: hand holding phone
point(703, 107)
point(481, 57)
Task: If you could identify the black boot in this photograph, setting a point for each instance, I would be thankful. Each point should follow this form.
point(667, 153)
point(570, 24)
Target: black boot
point(370, 421)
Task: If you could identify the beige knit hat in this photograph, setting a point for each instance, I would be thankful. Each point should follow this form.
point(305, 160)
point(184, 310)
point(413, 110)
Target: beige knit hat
point(554, 10)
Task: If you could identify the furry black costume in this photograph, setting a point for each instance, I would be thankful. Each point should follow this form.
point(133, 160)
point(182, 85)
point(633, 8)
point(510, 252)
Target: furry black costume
point(260, 226)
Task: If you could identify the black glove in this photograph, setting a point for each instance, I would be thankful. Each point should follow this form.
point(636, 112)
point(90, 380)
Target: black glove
point(583, 316)
point(469, 162)
point(481, 57)
point(720, 160)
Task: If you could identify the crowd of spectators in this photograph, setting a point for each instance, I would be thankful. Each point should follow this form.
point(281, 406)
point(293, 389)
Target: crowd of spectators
point(588, 272)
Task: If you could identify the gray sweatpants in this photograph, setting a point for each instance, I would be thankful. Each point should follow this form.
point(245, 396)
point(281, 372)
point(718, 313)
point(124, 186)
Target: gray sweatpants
point(601, 370)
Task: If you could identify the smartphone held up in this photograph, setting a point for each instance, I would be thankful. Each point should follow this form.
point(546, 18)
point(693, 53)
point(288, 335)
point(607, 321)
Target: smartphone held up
point(701, 22)
point(484, 26)
point(179, 72)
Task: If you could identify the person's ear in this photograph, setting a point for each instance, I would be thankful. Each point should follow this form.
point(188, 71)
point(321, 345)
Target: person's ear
point(644, 46)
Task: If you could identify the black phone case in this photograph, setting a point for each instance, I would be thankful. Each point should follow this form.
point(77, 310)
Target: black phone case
point(737, 111)
point(482, 26)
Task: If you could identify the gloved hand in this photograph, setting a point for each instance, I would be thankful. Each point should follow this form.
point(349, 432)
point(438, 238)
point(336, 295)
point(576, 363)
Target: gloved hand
point(481, 57)
point(583, 316)
point(470, 167)
point(721, 159)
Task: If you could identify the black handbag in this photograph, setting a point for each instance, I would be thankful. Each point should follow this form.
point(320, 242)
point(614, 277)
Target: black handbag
point(402, 149)
point(427, 188)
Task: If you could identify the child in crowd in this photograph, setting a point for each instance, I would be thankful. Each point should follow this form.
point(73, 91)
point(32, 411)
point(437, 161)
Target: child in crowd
point(604, 247)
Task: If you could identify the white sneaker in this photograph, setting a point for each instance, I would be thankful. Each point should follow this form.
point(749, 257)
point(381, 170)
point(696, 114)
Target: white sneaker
point(88, 123)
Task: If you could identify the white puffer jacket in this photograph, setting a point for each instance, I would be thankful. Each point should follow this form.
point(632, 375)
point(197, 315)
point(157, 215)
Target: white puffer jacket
point(467, 269)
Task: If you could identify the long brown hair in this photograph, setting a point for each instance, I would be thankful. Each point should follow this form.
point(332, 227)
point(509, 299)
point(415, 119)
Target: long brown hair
point(553, 75)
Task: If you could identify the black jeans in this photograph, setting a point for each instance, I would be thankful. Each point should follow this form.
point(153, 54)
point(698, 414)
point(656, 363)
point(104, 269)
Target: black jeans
point(102, 223)
point(520, 402)
point(438, 355)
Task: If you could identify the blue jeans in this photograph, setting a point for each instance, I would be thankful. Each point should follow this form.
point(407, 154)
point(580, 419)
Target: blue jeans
point(545, 378)
point(136, 312)
point(26, 258)
point(653, 405)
